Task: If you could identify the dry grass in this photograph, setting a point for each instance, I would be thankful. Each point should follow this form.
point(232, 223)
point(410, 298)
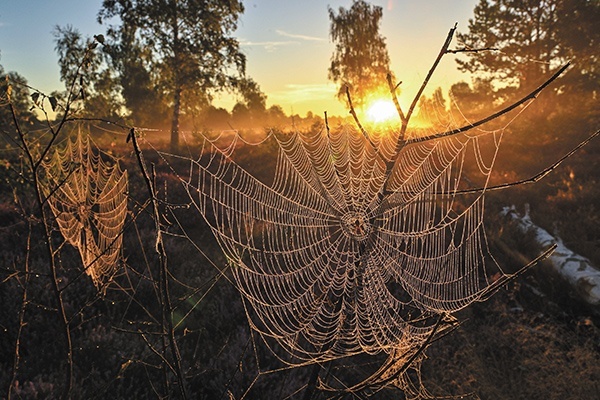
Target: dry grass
point(507, 352)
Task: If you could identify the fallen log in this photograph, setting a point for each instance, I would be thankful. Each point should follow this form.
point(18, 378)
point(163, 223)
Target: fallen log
point(575, 269)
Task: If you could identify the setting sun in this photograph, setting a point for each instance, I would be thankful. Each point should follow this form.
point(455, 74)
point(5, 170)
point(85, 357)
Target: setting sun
point(381, 111)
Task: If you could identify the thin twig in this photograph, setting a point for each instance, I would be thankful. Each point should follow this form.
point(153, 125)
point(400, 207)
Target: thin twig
point(39, 198)
point(401, 142)
point(355, 116)
point(156, 352)
point(443, 51)
point(405, 366)
point(494, 287)
point(160, 250)
point(470, 50)
point(536, 178)
point(395, 98)
point(21, 318)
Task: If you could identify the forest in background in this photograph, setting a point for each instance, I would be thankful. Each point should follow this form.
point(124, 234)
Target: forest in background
point(534, 339)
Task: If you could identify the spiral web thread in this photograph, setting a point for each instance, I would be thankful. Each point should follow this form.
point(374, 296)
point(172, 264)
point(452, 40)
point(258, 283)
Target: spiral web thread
point(87, 193)
point(334, 257)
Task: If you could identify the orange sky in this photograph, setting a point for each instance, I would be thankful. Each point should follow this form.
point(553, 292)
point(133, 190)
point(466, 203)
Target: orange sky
point(286, 43)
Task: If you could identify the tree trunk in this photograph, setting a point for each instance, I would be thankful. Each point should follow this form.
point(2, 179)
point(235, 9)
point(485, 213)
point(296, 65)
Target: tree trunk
point(175, 120)
point(176, 65)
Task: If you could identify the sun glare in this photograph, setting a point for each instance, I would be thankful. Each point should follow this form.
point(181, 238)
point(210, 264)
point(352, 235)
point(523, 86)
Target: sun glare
point(381, 111)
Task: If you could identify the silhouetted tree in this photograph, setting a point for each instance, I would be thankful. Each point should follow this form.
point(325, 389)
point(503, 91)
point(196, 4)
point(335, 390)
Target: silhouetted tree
point(71, 47)
point(190, 44)
point(534, 38)
point(19, 96)
point(472, 99)
point(92, 82)
point(139, 84)
point(360, 60)
point(254, 98)
point(252, 108)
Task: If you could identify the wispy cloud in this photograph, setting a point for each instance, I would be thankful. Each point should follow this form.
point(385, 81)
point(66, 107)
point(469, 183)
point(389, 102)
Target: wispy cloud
point(270, 45)
point(273, 45)
point(298, 36)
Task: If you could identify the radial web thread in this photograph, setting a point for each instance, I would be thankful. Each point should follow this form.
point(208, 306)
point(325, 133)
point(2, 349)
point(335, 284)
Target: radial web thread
point(336, 255)
point(87, 193)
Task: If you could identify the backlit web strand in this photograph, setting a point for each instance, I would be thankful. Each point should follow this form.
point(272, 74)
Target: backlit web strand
point(88, 197)
point(328, 269)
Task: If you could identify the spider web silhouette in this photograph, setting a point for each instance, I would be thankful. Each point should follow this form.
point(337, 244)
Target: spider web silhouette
point(349, 248)
point(359, 243)
point(88, 197)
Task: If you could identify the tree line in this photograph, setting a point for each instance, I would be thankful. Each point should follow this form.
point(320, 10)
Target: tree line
point(161, 63)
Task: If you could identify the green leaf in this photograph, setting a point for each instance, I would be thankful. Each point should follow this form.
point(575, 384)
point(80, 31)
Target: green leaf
point(35, 97)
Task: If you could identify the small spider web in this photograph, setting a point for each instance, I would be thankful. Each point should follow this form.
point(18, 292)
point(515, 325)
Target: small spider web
point(87, 193)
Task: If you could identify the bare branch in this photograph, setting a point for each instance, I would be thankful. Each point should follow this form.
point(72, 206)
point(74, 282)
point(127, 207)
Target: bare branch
point(395, 98)
point(530, 96)
point(431, 71)
point(470, 50)
point(536, 178)
point(494, 287)
point(164, 299)
point(49, 247)
point(401, 137)
point(21, 317)
point(353, 113)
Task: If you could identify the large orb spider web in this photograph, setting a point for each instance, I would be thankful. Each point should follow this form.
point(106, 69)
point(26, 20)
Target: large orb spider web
point(359, 244)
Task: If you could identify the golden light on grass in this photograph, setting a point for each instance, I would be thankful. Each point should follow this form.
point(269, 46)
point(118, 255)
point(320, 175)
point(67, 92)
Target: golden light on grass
point(381, 111)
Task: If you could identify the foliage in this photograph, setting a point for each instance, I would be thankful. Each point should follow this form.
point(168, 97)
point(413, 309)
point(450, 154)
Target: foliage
point(93, 82)
point(71, 48)
point(252, 110)
point(139, 86)
point(531, 39)
point(18, 95)
point(360, 61)
point(475, 99)
point(191, 50)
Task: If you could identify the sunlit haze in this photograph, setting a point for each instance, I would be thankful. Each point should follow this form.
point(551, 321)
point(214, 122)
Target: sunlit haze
point(287, 45)
point(381, 111)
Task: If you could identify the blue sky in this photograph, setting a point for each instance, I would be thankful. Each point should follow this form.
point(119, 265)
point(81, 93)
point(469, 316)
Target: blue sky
point(286, 43)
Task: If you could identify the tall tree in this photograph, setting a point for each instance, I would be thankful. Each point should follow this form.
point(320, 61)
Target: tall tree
point(85, 74)
point(534, 37)
point(360, 60)
point(139, 84)
point(472, 100)
point(14, 90)
point(191, 46)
